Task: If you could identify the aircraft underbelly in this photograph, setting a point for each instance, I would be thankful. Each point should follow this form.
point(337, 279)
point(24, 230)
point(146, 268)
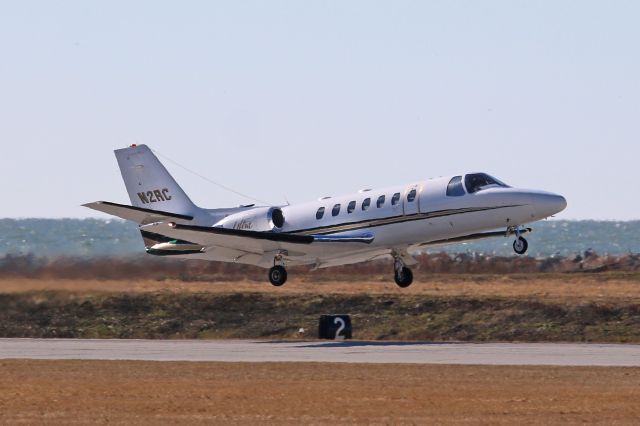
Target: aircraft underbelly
point(486, 220)
point(387, 237)
point(439, 228)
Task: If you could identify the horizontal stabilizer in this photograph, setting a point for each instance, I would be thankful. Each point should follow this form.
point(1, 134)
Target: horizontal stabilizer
point(139, 215)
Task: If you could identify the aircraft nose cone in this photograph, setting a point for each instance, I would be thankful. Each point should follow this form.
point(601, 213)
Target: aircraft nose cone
point(560, 203)
point(550, 204)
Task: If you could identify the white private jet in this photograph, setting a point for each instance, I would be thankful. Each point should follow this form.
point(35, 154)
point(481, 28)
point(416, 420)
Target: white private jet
point(367, 225)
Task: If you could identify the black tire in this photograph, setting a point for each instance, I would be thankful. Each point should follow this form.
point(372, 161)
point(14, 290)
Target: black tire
point(520, 246)
point(404, 277)
point(278, 275)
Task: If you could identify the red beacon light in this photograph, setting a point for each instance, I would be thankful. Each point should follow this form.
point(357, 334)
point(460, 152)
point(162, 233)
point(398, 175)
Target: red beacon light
point(133, 145)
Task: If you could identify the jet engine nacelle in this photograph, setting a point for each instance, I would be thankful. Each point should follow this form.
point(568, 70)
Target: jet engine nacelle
point(258, 219)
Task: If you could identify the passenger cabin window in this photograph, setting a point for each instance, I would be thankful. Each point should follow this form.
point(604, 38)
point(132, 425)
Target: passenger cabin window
point(478, 181)
point(366, 203)
point(455, 189)
point(351, 207)
point(395, 199)
point(335, 210)
point(380, 201)
point(320, 213)
point(411, 196)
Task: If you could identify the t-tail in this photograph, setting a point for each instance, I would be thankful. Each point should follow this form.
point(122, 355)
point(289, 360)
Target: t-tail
point(149, 184)
point(155, 196)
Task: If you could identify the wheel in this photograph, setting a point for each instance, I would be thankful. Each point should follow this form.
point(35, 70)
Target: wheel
point(277, 275)
point(520, 245)
point(404, 277)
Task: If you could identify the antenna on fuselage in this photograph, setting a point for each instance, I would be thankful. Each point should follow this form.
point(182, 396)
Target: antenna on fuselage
point(219, 185)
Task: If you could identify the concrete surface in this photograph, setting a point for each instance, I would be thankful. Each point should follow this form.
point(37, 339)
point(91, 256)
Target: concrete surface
point(568, 354)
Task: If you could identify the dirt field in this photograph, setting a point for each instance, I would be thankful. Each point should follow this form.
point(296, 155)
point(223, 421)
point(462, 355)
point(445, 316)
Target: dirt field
point(571, 287)
point(118, 392)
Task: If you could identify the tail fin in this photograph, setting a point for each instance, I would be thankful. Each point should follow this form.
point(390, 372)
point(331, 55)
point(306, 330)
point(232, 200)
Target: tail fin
point(149, 184)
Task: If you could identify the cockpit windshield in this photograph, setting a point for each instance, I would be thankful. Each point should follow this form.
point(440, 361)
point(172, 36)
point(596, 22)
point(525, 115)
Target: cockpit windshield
point(478, 181)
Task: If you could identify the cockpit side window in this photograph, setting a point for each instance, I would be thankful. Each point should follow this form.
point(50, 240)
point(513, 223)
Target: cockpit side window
point(455, 189)
point(478, 181)
point(320, 213)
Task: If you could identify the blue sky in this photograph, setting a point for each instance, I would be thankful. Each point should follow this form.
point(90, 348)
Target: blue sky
point(296, 100)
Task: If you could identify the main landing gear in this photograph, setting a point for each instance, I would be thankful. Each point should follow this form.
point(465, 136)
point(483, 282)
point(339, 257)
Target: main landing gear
point(520, 245)
point(277, 274)
point(403, 275)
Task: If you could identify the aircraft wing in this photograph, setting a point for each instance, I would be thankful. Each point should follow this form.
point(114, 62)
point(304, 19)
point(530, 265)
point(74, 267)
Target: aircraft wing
point(139, 215)
point(257, 242)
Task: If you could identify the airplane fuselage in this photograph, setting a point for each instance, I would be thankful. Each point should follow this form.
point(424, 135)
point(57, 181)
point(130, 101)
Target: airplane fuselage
point(406, 217)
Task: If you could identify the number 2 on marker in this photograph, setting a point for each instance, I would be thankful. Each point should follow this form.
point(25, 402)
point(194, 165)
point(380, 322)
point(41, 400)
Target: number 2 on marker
point(338, 320)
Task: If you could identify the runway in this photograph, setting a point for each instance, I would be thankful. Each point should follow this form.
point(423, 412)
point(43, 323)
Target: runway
point(563, 354)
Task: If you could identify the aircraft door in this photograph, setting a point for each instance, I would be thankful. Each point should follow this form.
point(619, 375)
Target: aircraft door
point(411, 200)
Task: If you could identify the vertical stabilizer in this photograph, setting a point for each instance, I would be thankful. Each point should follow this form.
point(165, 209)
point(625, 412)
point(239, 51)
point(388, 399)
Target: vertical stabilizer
point(149, 184)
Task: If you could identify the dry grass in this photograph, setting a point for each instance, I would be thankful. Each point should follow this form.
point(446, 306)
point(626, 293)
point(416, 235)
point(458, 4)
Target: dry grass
point(124, 392)
point(542, 307)
point(556, 287)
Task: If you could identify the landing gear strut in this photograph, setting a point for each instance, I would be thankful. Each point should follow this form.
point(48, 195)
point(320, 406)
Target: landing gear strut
point(277, 274)
point(403, 275)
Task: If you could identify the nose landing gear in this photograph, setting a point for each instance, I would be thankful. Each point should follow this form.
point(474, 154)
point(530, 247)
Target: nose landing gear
point(520, 245)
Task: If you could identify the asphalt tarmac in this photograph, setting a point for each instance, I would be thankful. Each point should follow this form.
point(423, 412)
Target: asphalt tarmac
point(559, 354)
